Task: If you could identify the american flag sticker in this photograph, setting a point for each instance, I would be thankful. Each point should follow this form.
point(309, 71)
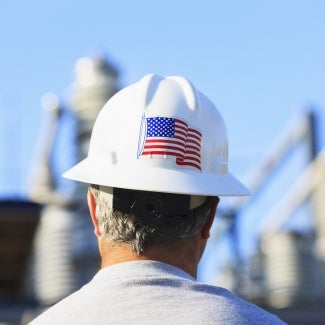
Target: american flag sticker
point(168, 136)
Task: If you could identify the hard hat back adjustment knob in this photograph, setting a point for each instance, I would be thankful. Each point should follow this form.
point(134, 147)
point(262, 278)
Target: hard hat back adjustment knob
point(149, 210)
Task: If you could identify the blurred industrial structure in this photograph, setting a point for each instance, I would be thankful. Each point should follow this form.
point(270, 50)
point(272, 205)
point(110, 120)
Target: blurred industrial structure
point(286, 271)
point(18, 222)
point(65, 254)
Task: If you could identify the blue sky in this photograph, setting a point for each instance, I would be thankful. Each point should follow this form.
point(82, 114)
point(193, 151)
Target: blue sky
point(260, 62)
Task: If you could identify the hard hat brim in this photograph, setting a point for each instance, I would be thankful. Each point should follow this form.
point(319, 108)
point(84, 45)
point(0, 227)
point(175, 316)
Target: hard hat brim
point(149, 179)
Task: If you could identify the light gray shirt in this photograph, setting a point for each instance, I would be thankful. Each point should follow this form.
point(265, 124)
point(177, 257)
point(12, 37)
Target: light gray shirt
point(150, 292)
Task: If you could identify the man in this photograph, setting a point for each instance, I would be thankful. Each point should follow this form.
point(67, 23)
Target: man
point(157, 165)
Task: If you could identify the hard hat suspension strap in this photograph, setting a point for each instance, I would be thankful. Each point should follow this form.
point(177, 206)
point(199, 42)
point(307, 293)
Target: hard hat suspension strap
point(150, 208)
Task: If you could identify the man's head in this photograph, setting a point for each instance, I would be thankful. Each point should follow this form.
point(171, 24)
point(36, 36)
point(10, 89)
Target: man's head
point(159, 154)
point(145, 219)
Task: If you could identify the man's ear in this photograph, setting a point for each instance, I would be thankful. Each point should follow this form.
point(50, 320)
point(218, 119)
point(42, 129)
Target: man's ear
point(205, 231)
point(92, 210)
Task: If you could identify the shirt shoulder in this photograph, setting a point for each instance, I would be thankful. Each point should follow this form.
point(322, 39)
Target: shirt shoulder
point(152, 293)
point(219, 305)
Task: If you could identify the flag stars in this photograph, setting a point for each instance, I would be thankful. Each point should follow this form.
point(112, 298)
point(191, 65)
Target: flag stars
point(160, 126)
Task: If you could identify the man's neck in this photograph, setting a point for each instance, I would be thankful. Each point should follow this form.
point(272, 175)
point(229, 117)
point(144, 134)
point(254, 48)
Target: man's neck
point(185, 257)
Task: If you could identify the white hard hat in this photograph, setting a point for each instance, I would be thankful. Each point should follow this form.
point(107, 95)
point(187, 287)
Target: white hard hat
point(162, 135)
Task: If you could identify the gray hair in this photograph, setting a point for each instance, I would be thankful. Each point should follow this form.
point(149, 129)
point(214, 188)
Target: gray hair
point(117, 226)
